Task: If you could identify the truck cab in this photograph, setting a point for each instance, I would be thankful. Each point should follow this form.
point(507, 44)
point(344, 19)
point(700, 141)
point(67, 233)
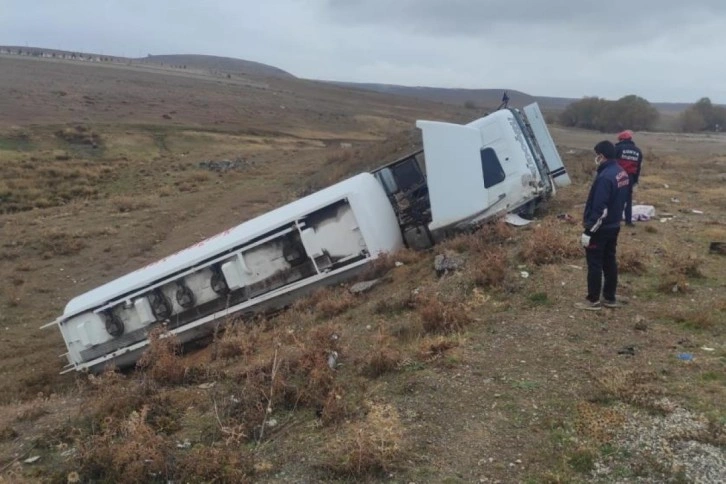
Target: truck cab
point(466, 174)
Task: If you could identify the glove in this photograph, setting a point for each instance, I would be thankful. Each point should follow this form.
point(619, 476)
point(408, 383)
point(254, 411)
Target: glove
point(585, 240)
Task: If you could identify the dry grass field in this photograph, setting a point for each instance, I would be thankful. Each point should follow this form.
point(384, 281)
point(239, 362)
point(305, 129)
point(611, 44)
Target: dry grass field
point(482, 375)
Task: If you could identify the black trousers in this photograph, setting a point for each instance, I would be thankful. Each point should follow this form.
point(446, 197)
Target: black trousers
point(601, 261)
point(629, 201)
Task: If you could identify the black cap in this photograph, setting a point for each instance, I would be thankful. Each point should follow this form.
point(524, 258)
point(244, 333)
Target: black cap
point(605, 148)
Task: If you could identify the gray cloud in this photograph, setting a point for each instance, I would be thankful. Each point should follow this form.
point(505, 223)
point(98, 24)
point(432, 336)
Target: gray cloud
point(662, 50)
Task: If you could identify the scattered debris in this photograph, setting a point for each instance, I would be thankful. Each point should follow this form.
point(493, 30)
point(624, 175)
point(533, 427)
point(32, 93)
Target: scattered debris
point(706, 348)
point(222, 166)
point(643, 213)
point(207, 386)
point(516, 220)
point(32, 460)
point(566, 217)
point(717, 248)
point(448, 262)
point(361, 287)
point(399, 264)
point(524, 274)
point(333, 359)
point(184, 445)
point(697, 212)
point(627, 351)
point(640, 324)
point(685, 356)
point(675, 200)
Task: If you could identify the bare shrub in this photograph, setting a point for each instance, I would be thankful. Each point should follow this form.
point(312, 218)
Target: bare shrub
point(161, 361)
point(383, 357)
point(379, 267)
point(635, 387)
point(368, 447)
point(128, 448)
point(490, 268)
point(548, 244)
point(238, 340)
point(395, 304)
point(7, 433)
point(699, 319)
point(125, 204)
point(211, 464)
point(56, 242)
point(329, 302)
point(632, 260)
point(434, 348)
point(590, 418)
point(441, 316)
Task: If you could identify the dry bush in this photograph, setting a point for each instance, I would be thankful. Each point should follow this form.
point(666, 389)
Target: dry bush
point(685, 264)
point(161, 361)
point(379, 267)
point(635, 387)
point(441, 316)
point(198, 176)
point(408, 256)
point(632, 260)
point(700, 319)
point(434, 348)
point(125, 204)
point(484, 239)
point(238, 340)
point(547, 243)
point(327, 302)
point(128, 448)
point(7, 433)
point(33, 411)
point(317, 377)
point(395, 304)
point(212, 464)
point(597, 422)
point(56, 242)
point(383, 357)
point(681, 268)
point(369, 447)
point(490, 268)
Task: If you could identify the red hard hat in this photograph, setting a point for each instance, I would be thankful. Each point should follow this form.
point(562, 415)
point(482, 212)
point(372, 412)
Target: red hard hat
point(627, 134)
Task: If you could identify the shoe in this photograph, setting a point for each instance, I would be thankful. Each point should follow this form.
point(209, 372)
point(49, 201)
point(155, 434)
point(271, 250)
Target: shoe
point(629, 224)
point(589, 306)
point(614, 304)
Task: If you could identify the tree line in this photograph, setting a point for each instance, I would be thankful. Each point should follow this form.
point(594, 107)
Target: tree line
point(636, 113)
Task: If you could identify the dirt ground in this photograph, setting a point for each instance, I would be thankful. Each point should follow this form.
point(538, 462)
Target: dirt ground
point(483, 375)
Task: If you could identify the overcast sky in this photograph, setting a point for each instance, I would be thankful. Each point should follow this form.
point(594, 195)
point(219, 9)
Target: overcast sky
point(663, 50)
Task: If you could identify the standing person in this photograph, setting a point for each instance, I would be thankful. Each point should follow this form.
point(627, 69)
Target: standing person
point(601, 221)
point(630, 158)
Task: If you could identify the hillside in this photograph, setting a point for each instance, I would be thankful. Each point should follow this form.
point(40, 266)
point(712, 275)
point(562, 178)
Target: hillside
point(226, 65)
point(484, 374)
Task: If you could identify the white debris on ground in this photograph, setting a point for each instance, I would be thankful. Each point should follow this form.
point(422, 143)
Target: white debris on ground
point(659, 448)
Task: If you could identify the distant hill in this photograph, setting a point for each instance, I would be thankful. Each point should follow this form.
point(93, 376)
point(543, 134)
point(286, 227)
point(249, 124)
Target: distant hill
point(226, 65)
point(480, 97)
point(485, 97)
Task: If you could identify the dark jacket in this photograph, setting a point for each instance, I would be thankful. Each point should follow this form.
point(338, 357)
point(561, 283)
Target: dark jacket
point(608, 192)
point(630, 158)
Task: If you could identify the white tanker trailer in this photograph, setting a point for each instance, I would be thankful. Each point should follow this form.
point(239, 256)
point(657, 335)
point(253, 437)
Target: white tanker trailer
point(503, 163)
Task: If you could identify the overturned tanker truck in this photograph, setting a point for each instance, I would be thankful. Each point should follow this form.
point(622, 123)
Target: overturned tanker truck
point(505, 162)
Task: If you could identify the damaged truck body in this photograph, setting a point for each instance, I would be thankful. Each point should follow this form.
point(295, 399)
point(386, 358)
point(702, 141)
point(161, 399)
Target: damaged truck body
point(505, 162)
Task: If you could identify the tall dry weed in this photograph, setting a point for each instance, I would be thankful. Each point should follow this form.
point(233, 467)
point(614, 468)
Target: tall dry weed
point(369, 447)
point(161, 361)
point(441, 316)
point(128, 448)
point(549, 243)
